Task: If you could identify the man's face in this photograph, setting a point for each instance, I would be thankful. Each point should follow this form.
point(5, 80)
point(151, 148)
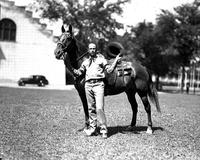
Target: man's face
point(92, 49)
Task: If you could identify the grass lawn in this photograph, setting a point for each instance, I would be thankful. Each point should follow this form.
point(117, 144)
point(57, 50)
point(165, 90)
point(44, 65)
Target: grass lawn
point(40, 124)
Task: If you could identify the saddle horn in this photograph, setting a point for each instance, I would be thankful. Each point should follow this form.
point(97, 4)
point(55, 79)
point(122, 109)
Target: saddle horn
point(113, 49)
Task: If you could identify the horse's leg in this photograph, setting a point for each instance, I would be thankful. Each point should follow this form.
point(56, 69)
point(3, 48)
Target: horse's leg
point(147, 107)
point(131, 97)
point(81, 92)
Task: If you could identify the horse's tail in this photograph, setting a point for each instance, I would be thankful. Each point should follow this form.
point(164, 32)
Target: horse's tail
point(153, 94)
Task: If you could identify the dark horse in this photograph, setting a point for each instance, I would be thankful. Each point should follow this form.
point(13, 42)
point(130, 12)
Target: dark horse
point(138, 81)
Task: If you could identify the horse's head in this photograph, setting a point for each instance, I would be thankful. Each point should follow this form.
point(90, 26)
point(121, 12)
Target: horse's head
point(65, 40)
point(69, 49)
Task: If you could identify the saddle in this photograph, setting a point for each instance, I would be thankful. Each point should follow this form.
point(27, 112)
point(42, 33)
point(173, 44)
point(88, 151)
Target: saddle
point(122, 71)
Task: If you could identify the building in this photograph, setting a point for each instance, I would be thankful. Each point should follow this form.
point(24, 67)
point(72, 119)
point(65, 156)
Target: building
point(191, 78)
point(26, 46)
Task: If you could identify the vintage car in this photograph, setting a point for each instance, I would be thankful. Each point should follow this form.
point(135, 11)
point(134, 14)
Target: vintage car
point(39, 80)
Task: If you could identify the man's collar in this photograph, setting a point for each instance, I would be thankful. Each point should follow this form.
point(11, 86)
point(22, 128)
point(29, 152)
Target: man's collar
point(95, 56)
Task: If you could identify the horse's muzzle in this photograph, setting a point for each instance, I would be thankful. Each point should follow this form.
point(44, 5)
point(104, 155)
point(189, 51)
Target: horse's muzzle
point(59, 54)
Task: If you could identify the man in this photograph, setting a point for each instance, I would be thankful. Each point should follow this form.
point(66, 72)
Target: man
point(94, 68)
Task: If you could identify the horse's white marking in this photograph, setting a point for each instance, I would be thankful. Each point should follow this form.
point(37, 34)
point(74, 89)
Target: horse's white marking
point(149, 130)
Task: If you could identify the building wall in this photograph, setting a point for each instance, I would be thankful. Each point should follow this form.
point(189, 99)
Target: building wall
point(32, 53)
point(192, 77)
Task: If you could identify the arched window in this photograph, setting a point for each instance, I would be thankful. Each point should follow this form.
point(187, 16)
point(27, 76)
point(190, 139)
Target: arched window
point(7, 30)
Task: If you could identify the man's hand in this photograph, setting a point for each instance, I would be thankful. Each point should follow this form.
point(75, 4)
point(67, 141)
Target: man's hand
point(118, 58)
point(76, 72)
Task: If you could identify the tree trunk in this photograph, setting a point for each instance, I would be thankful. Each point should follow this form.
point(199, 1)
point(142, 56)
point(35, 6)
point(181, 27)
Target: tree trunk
point(158, 86)
point(182, 79)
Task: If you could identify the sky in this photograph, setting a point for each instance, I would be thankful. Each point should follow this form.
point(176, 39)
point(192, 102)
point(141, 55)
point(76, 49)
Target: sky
point(139, 10)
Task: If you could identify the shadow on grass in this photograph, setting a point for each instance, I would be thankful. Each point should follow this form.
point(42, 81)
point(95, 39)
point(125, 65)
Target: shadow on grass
point(126, 130)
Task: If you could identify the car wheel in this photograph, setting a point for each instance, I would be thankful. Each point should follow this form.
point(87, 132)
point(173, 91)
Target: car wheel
point(41, 84)
point(21, 84)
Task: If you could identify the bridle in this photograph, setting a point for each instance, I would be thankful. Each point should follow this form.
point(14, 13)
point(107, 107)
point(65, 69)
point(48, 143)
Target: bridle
point(64, 50)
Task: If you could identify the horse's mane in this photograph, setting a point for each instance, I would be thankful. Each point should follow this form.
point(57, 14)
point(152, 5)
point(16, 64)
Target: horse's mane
point(78, 52)
point(82, 48)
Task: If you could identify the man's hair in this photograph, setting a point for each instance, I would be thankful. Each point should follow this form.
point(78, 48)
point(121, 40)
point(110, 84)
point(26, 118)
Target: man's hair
point(92, 44)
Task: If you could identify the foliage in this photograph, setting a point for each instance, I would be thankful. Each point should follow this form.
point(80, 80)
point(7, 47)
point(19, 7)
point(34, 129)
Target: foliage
point(164, 47)
point(180, 33)
point(94, 19)
point(164, 29)
point(132, 50)
point(150, 50)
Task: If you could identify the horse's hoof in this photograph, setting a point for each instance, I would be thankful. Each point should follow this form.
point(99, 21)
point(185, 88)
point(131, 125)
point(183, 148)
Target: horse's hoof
point(149, 130)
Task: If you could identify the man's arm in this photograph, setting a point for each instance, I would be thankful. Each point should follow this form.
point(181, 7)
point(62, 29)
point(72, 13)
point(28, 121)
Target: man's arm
point(111, 68)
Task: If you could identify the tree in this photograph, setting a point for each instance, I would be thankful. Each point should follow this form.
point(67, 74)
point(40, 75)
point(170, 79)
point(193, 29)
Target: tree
point(150, 51)
point(180, 31)
point(164, 29)
point(131, 50)
point(92, 18)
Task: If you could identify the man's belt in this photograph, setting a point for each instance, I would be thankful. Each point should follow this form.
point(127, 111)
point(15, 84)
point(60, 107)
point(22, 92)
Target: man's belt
point(94, 80)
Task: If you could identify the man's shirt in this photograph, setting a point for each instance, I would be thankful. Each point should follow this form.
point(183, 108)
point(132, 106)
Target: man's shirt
point(94, 67)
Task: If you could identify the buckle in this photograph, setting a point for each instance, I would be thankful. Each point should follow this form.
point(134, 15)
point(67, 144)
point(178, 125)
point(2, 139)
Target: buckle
point(94, 80)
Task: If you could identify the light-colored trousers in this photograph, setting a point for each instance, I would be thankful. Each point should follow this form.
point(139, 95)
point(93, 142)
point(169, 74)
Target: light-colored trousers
point(95, 99)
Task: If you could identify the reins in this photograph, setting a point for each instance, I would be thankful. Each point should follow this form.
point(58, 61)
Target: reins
point(85, 53)
point(82, 56)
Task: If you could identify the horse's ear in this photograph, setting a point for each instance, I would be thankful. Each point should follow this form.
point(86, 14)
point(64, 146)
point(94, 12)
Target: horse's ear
point(63, 29)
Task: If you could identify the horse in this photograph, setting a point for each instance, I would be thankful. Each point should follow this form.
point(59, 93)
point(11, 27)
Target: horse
point(138, 80)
